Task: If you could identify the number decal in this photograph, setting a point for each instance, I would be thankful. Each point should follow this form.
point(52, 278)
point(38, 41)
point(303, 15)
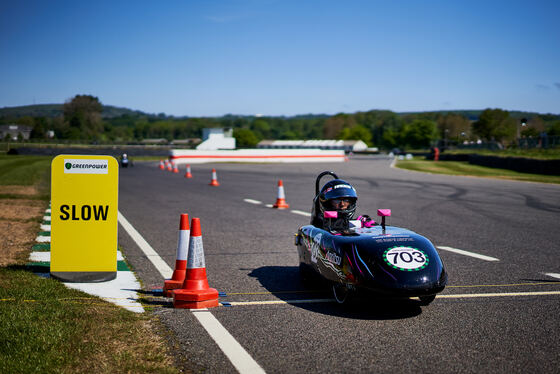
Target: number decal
point(406, 258)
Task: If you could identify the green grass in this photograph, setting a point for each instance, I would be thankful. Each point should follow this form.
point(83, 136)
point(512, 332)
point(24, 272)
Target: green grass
point(24, 170)
point(464, 168)
point(48, 328)
point(538, 153)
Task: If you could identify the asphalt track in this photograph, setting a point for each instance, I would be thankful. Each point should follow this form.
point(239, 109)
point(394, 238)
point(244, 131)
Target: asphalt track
point(495, 316)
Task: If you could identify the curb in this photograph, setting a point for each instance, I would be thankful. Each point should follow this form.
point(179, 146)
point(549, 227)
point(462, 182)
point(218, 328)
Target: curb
point(121, 291)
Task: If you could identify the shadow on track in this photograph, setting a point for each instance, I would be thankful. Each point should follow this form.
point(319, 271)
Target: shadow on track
point(285, 283)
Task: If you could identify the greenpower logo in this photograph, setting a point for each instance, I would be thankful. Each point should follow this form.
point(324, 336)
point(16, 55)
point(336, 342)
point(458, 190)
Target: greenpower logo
point(84, 166)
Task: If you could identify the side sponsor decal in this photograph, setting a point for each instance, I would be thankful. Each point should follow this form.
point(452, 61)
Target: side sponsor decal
point(315, 245)
point(406, 258)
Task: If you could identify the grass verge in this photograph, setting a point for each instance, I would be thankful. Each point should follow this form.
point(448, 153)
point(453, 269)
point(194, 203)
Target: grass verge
point(466, 169)
point(46, 327)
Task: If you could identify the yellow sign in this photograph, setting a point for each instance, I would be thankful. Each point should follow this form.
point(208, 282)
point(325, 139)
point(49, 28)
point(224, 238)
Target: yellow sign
point(84, 207)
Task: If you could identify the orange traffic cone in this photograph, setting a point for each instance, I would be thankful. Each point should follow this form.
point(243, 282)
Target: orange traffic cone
point(169, 168)
point(175, 168)
point(214, 181)
point(281, 200)
point(195, 292)
point(161, 166)
point(178, 276)
point(188, 173)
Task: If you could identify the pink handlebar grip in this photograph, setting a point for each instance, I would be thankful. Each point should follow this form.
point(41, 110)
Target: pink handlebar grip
point(384, 212)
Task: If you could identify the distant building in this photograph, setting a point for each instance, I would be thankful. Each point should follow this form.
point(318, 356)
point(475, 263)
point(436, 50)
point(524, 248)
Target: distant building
point(216, 138)
point(186, 142)
point(154, 141)
point(346, 145)
point(15, 131)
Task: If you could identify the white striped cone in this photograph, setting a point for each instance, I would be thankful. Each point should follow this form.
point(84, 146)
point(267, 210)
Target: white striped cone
point(281, 199)
point(179, 273)
point(195, 293)
point(169, 168)
point(214, 181)
point(161, 166)
point(188, 173)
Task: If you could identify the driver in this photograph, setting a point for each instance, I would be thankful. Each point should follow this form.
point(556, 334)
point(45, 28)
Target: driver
point(336, 195)
point(340, 196)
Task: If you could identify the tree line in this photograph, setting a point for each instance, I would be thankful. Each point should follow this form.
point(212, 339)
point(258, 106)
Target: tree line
point(81, 120)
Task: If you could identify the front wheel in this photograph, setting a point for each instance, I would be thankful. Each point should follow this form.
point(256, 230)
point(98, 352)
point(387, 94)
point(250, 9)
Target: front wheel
point(341, 293)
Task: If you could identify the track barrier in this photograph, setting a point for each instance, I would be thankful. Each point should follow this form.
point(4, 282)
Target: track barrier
point(214, 181)
point(178, 277)
point(281, 199)
point(195, 292)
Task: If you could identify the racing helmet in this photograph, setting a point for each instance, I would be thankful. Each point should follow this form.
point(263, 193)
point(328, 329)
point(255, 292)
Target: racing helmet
point(338, 189)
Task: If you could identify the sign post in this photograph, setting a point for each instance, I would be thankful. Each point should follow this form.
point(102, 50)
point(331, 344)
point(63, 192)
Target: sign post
point(84, 209)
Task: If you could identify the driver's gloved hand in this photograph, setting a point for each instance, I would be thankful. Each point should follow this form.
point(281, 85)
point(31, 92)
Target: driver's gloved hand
point(367, 221)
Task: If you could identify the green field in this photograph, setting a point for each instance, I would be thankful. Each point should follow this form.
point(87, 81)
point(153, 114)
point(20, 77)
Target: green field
point(49, 328)
point(466, 169)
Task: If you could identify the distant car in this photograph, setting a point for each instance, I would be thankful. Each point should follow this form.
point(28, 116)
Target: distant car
point(398, 151)
point(380, 259)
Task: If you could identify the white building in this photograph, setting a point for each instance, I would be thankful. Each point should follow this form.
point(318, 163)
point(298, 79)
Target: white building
point(216, 138)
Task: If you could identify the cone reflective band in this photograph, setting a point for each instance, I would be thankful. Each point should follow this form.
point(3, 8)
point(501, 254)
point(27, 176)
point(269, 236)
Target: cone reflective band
point(214, 181)
point(281, 199)
point(161, 166)
point(179, 273)
point(175, 168)
point(168, 165)
point(195, 292)
point(188, 173)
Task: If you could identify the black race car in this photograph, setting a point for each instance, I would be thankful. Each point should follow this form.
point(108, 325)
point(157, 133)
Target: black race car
point(381, 259)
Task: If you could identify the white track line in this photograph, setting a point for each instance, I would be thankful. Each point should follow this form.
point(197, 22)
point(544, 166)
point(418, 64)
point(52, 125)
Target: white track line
point(467, 253)
point(251, 201)
point(152, 255)
point(466, 295)
point(302, 213)
point(553, 275)
point(238, 356)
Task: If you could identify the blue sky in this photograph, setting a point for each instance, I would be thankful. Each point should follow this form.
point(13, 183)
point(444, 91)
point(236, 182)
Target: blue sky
point(210, 58)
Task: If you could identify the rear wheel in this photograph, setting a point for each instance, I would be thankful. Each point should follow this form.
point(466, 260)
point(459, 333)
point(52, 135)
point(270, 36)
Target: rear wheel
point(305, 274)
point(426, 300)
point(341, 293)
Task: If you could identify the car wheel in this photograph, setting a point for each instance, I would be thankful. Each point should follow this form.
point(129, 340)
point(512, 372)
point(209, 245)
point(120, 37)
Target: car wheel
point(426, 300)
point(341, 293)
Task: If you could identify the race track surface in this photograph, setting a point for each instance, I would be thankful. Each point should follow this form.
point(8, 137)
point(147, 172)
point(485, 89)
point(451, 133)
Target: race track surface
point(509, 324)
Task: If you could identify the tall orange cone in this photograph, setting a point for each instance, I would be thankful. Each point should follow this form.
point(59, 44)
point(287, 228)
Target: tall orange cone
point(178, 276)
point(281, 200)
point(175, 168)
point(161, 166)
point(214, 181)
point(195, 292)
point(169, 168)
point(188, 173)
